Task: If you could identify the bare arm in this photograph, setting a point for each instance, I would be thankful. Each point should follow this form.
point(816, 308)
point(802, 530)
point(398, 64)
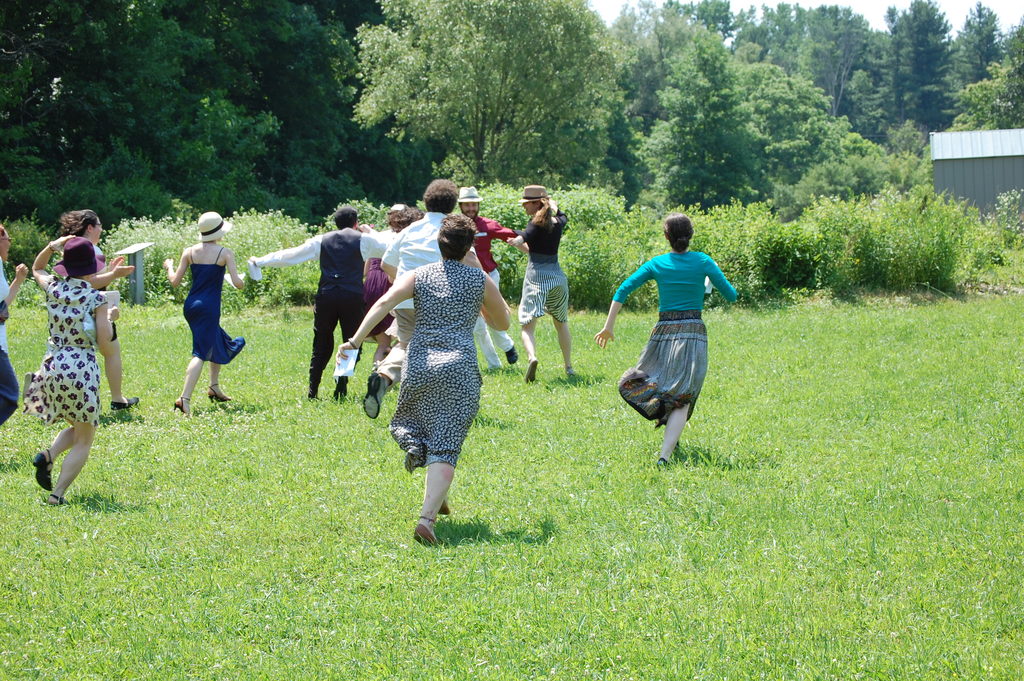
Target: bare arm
point(42, 260)
point(20, 273)
point(389, 270)
point(117, 270)
point(607, 333)
point(402, 290)
point(520, 243)
point(103, 328)
point(175, 276)
point(495, 308)
point(236, 280)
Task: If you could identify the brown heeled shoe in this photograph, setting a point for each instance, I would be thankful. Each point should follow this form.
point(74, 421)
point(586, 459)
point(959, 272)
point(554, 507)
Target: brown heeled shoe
point(181, 404)
point(215, 394)
point(445, 509)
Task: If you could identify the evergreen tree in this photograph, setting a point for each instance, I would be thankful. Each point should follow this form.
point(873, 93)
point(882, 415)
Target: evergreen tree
point(977, 46)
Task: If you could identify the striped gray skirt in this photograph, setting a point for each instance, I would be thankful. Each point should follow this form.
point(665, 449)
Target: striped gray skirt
point(671, 369)
point(545, 290)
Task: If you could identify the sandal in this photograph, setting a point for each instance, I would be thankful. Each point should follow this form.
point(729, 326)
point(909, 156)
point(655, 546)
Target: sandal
point(215, 394)
point(181, 404)
point(43, 462)
point(61, 501)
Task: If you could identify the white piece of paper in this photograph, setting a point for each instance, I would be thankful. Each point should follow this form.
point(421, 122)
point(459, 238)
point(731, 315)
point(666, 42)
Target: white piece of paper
point(113, 297)
point(347, 366)
point(255, 273)
point(707, 286)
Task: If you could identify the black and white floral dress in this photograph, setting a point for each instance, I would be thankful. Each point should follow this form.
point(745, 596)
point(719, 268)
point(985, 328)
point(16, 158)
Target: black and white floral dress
point(67, 385)
point(440, 391)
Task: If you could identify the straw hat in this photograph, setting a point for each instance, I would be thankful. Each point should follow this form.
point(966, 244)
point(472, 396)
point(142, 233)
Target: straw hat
point(212, 226)
point(533, 192)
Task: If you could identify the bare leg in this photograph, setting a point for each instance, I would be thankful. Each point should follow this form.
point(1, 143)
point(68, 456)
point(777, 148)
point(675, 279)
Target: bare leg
point(64, 439)
point(192, 374)
point(564, 342)
point(111, 352)
point(673, 429)
point(439, 479)
point(72, 464)
point(383, 347)
point(529, 344)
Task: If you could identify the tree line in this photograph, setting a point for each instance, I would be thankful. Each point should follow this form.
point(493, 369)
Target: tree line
point(157, 107)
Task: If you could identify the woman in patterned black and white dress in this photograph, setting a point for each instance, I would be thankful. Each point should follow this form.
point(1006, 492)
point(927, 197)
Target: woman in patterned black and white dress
point(441, 378)
point(67, 385)
point(545, 287)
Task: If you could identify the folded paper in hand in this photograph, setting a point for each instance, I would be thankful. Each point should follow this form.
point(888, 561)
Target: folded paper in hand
point(347, 366)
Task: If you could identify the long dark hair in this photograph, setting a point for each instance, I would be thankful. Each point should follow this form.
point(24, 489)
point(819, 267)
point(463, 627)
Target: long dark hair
point(678, 230)
point(75, 222)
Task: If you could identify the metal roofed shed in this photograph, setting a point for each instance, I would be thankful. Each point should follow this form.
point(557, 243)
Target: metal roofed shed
point(979, 165)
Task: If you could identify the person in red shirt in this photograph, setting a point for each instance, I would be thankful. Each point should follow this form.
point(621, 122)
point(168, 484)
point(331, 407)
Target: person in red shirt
point(487, 230)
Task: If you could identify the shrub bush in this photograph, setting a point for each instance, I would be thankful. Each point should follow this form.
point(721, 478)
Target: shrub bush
point(253, 234)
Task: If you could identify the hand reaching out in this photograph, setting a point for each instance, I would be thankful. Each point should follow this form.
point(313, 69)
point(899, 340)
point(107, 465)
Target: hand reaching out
point(603, 336)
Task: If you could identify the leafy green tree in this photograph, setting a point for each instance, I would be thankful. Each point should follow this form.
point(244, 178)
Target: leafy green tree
point(835, 41)
point(700, 154)
point(514, 89)
point(790, 120)
point(780, 33)
point(996, 102)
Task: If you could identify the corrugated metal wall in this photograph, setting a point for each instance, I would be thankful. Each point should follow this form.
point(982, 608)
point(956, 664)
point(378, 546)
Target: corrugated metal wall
point(979, 180)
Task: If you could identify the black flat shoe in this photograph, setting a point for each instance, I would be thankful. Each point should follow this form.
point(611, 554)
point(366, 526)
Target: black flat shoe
point(118, 406)
point(43, 464)
point(376, 386)
point(511, 356)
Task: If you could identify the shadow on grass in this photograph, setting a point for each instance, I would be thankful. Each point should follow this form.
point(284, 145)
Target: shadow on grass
point(476, 531)
point(578, 381)
point(104, 503)
point(709, 457)
point(491, 422)
point(121, 416)
point(229, 408)
point(11, 465)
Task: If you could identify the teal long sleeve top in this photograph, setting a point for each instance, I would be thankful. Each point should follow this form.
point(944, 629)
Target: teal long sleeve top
point(680, 278)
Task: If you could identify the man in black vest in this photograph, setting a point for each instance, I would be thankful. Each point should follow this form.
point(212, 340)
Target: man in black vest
point(339, 297)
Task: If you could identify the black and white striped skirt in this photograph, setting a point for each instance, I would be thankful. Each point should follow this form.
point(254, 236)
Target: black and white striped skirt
point(545, 290)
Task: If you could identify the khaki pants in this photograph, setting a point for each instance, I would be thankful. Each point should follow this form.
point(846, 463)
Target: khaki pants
point(391, 367)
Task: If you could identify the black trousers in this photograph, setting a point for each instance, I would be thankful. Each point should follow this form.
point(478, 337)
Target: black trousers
point(329, 311)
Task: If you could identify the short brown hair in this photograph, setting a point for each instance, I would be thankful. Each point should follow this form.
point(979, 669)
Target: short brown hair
point(440, 196)
point(456, 236)
point(400, 219)
point(75, 222)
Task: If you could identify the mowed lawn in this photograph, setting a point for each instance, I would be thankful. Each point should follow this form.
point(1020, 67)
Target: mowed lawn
point(847, 503)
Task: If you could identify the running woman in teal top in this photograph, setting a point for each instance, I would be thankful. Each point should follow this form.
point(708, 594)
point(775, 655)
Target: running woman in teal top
point(665, 383)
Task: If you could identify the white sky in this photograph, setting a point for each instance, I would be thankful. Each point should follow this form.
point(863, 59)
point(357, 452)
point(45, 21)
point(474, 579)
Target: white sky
point(1009, 12)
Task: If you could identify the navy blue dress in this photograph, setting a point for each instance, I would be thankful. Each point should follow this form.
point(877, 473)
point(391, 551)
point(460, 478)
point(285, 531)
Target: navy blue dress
point(202, 312)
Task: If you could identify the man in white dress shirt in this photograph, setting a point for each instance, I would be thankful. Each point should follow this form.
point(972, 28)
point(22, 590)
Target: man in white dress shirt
point(414, 247)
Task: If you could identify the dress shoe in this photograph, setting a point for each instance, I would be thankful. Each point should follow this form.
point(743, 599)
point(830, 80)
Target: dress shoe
point(118, 406)
point(511, 355)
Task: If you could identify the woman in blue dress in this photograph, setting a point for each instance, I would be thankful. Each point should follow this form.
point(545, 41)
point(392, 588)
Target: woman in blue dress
point(666, 382)
point(208, 261)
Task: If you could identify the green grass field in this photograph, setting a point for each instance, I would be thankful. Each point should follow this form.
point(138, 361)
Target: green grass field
point(846, 504)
